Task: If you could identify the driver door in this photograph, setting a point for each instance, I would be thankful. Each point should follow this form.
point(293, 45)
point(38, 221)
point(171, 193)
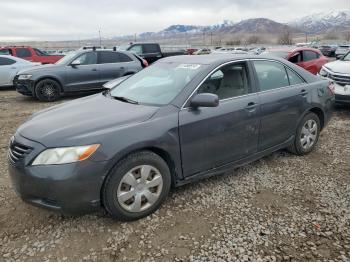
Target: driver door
point(215, 136)
point(84, 76)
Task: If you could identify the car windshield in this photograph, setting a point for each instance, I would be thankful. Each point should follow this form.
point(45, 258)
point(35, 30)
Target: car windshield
point(66, 59)
point(346, 57)
point(282, 54)
point(158, 84)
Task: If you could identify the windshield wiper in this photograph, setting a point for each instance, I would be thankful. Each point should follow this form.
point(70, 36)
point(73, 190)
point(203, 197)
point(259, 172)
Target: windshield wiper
point(124, 99)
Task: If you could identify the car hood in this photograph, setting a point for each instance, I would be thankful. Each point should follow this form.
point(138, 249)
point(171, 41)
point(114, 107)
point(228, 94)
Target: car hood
point(82, 121)
point(40, 68)
point(339, 66)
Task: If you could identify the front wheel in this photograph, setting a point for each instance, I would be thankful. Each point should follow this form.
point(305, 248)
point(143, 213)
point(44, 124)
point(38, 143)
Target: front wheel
point(307, 135)
point(137, 186)
point(47, 90)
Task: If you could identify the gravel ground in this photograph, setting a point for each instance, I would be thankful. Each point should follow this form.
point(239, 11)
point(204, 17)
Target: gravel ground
point(280, 208)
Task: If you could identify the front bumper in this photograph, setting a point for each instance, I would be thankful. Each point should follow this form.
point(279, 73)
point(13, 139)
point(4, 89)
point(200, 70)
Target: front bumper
point(69, 188)
point(24, 87)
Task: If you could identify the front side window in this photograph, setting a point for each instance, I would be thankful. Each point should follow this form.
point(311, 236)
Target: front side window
point(5, 52)
point(295, 58)
point(23, 52)
point(6, 61)
point(227, 82)
point(158, 84)
point(309, 55)
point(89, 58)
point(137, 49)
point(271, 75)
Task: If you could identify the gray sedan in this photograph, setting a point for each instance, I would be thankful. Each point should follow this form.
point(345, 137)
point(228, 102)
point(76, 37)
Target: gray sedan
point(182, 119)
point(84, 70)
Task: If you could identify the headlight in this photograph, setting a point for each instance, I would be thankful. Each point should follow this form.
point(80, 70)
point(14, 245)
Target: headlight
point(323, 72)
point(24, 77)
point(64, 155)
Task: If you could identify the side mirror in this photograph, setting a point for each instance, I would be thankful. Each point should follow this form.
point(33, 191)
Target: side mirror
point(75, 63)
point(205, 100)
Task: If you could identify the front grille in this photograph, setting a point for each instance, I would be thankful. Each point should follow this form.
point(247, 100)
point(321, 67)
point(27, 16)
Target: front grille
point(17, 151)
point(340, 79)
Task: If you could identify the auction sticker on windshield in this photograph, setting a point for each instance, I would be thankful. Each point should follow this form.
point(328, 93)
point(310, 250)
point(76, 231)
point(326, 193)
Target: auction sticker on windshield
point(188, 66)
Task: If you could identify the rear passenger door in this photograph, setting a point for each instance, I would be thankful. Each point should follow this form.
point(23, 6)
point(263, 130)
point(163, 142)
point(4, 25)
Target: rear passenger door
point(283, 99)
point(112, 65)
point(7, 70)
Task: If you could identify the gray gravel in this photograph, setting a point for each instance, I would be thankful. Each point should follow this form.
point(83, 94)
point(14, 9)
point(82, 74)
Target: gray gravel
point(280, 208)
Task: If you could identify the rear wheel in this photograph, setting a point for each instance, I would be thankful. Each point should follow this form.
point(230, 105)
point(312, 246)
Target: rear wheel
point(307, 135)
point(137, 186)
point(47, 90)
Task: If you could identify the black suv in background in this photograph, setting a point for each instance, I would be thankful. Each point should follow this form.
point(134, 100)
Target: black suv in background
point(83, 70)
point(151, 52)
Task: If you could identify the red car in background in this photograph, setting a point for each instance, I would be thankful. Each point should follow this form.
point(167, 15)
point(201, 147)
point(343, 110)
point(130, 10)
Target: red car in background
point(310, 59)
point(31, 54)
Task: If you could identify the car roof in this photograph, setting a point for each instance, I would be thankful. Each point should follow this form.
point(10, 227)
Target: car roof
point(212, 58)
point(293, 49)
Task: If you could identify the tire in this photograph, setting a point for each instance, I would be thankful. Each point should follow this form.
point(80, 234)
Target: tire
point(127, 195)
point(47, 90)
point(307, 135)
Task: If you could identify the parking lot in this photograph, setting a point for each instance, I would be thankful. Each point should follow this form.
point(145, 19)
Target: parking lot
point(280, 208)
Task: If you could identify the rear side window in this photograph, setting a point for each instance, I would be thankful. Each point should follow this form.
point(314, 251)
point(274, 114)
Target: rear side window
point(112, 57)
point(108, 57)
point(23, 52)
point(39, 52)
point(271, 75)
point(150, 48)
point(6, 61)
point(309, 55)
point(294, 79)
point(124, 58)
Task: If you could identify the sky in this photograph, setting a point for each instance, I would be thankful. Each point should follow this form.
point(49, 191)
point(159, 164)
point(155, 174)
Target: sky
point(27, 20)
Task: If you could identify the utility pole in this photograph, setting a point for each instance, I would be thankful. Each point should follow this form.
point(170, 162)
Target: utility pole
point(305, 37)
point(135, 38)
point(211, 38)
point(203, 39)
point(99, 35)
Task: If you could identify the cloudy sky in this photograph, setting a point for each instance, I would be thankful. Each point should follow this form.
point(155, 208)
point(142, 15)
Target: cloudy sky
point(80, 19)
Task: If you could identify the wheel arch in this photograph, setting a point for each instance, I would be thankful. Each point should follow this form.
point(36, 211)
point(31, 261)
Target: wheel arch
point(321, 115)
point(51, 78)
point(156, 150)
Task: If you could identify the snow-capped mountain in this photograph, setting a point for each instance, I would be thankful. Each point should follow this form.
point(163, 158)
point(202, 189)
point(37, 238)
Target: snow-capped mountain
point(321, 22)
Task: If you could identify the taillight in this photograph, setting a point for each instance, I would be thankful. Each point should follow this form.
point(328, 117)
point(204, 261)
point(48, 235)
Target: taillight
point(144, 62)
point(331, 87)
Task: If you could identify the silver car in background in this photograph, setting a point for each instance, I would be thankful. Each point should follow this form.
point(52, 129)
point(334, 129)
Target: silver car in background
point(10, 66)
point(342, 50)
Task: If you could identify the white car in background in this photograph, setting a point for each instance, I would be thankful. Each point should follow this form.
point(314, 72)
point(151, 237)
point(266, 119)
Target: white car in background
point(341, 50)
point(339, 73)
point(9, 67)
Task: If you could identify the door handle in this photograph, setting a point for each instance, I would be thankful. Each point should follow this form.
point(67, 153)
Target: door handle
point(251, 106)
point(303, 92)
point(122, 67)
point(94, 69)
